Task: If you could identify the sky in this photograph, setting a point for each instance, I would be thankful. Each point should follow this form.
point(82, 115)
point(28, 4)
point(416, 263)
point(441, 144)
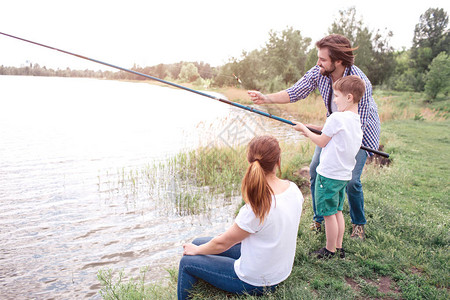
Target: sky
point(148, 32)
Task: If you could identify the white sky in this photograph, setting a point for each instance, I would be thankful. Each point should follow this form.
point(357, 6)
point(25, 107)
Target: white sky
point(167, 31)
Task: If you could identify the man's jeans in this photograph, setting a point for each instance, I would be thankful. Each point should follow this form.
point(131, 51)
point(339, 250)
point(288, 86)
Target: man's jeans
point(217, 270)
point(354, 187)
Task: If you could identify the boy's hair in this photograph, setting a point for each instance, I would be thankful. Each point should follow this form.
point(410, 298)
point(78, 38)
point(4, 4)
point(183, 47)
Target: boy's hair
point(351, 85)
point(339, 48)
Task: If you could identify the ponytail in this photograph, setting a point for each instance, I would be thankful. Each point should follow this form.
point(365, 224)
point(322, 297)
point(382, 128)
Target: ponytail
point(256, 191)
point(263, 155)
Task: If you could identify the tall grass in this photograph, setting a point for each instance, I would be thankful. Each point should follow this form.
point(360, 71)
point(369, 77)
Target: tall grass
point(115, 286)
point(392, 105)
point(185, 183)
point(406, 106)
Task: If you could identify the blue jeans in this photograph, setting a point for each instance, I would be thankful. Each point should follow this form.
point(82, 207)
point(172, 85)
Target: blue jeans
point(354, 187)
point(217, 270)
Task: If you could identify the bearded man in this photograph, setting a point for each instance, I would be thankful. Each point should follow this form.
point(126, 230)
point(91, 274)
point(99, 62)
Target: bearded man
point(335, 60)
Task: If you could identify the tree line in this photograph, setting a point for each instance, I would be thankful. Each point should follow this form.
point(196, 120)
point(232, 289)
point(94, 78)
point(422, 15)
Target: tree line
point(287, 55)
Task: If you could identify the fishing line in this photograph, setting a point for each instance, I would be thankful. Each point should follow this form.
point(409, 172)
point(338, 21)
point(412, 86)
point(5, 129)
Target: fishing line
point(248, 108)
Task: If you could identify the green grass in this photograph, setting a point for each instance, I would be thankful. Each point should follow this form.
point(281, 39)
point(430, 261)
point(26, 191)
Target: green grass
point(407, 204)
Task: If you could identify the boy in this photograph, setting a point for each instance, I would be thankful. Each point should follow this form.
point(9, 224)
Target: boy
point(340, 142)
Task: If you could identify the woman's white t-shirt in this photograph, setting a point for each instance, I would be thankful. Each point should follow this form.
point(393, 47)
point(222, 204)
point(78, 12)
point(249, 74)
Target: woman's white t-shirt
point(267, 255)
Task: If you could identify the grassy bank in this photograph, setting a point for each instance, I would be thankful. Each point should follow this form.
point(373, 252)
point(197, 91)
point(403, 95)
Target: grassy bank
point(406, 252)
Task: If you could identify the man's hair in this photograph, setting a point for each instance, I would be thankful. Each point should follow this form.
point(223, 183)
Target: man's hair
point(351, 85)
point(339, 48)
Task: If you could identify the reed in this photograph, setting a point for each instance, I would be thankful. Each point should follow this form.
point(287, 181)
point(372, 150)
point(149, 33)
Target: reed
point(118, 285)
point(189, 183)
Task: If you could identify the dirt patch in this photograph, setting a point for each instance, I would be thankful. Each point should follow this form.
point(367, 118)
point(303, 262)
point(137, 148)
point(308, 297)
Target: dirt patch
point(384, 286)
point(354, 285)
point(301, 178)
point(415, 270)
point(303, 172)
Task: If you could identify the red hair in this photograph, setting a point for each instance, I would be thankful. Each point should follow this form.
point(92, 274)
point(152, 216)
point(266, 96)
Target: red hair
point(263, 155)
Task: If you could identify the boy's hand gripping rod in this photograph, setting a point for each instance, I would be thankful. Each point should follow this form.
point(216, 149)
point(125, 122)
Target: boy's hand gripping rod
point(251, 109)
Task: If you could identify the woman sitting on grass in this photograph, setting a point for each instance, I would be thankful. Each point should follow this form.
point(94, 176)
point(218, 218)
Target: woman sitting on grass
point(257, 252)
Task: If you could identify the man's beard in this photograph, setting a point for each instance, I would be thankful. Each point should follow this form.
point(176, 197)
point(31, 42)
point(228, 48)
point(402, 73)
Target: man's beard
point(325, 72)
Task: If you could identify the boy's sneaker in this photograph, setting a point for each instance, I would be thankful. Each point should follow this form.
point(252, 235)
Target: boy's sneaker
point(341, 252)
point(315, 226)
point(358, 232)
point(323, 253)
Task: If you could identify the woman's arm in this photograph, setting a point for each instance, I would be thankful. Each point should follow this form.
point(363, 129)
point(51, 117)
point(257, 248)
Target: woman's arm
point(218, 244)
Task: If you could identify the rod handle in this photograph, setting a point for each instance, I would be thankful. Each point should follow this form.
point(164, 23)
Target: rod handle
point(384, 154)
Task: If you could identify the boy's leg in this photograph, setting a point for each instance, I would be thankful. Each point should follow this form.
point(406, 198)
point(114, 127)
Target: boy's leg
point(341, 229)
point(331, 232)
point(330, 196)
point(312, 172)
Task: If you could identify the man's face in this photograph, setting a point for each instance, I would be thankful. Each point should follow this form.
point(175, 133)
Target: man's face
point(324, 62)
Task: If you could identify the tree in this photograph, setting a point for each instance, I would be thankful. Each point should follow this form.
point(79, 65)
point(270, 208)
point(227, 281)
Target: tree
point(205, 70)
point(431, 37)
point(175, 69)
point(160, 71)
point(360, 36)
point(438, 78)
point(374, 55)
point(311, 59)
point(189, 72)
point(249, 69)
point(383, 61)
point(285, 54)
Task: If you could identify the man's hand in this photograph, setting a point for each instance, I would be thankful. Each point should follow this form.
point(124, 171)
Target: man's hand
point(258, 97)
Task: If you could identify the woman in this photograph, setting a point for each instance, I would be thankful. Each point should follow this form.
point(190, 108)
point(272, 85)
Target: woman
point(257, 252)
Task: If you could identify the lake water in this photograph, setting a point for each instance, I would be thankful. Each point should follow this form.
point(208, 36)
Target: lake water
point(65, 144)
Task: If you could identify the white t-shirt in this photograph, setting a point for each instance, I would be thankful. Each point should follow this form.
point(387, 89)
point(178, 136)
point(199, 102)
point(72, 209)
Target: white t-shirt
point(267, 255)
point(337, 158)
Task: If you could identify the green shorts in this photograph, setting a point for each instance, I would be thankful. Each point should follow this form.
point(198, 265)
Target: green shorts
point(329, 195)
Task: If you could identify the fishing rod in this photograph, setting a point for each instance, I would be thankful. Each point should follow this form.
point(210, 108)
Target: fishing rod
point(248, 108)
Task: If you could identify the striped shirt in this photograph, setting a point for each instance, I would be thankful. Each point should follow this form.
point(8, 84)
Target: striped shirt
point(367, 108)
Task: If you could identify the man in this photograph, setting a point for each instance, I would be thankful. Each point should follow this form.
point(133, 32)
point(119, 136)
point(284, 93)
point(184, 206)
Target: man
point(335, 60)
